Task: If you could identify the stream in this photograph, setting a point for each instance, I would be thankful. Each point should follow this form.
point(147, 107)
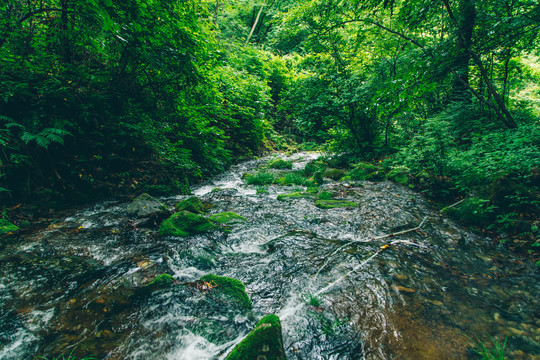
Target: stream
point(74, 284)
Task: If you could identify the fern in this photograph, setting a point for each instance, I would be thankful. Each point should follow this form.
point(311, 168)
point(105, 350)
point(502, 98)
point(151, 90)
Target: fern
point(46, 137)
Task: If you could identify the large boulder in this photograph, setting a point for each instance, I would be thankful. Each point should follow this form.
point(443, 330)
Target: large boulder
point(184, 224)
point(265, 342)
point(147, 206)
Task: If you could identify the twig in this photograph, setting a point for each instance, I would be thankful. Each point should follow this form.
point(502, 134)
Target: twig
point(400, 232)
point(451, 206)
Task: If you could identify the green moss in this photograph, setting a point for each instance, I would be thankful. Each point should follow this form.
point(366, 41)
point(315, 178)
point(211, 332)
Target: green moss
point(331, 204)
point(161, 281)
point(226, 218)
point(361, 171)
point(325, 195)
point(192, 204)
point(6, 227)
point(280, 164)
point(184, 224)
point(231, 287)
point(334, 174)
point(318, 178)
point(295, 195)
point(263, 342)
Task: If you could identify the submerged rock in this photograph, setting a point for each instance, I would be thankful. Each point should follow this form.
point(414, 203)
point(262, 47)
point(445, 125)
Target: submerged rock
point(228, 287)
point(192, 204)
point(331, 204)
point(227, 217)
point(146, 206)
point(184, 224)
point(263, 342)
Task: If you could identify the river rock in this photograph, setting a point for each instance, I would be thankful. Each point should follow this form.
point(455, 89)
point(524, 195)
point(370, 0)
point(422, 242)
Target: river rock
point(264, 342)
point(192, 204)
point(147, 206)
point(184, 224)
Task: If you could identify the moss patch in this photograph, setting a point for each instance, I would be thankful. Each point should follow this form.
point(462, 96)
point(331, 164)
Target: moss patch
point(263, 342)
point(6, 227)
point(280, 164)
point(227, 217)
point(331, 204)
point(230, 287)
point(184, 224)
point(162, 280)
point(313, 166)
point(296, 195)
point(192, 204)
point(260, 178)
point(334, 174)
point(361, 171)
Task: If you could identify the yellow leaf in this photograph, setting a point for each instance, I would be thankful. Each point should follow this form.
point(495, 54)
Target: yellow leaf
point(385, 247)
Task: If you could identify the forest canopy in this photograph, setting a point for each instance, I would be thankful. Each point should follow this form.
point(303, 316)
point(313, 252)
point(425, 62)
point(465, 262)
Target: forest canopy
point(94, 92)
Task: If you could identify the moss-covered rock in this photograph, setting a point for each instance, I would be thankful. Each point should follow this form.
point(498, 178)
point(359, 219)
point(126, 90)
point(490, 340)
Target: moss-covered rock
point(263, 342)
point(280, 164)
point(361, 170)
point(331, 204)
point(6, 227)
point(314, 166)
point(228, 287)
point(192, 204)
point(184, 224)
point(296, 195)
point(334, 174)
point(145, 206)
point(162, 280)
point(227, 217)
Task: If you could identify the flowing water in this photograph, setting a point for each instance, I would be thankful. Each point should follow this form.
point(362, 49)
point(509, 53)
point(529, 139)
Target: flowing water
point(75, 284)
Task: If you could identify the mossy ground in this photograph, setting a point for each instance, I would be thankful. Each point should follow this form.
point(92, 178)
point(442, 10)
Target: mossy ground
point(334, 174)
point(192, 204)
point(332, 204)
point(6, 227)
point(227, 217)
point(263, 342)
point(184, 224)
point(231, 287)
point(296, 195)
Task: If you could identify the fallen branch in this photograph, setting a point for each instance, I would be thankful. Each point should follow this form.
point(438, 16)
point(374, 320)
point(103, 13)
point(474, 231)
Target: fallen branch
point(451, 206)
point(400, 232)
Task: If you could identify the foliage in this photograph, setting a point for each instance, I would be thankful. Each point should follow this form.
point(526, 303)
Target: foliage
point(280, 164)
point(494, 353)
point(260, 178)
point(292, 178)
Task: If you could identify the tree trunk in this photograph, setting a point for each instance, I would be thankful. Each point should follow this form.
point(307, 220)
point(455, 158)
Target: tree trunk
point(465, 26)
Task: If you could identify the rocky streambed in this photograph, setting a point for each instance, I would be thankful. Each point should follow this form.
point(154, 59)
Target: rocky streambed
point(342, 288)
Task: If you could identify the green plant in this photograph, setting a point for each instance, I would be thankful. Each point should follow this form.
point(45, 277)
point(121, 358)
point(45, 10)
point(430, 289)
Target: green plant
point(312, 300)
point(260, 178)
point(69, 357)
point(496, 352)
point(292, 178)
point(325, 195)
